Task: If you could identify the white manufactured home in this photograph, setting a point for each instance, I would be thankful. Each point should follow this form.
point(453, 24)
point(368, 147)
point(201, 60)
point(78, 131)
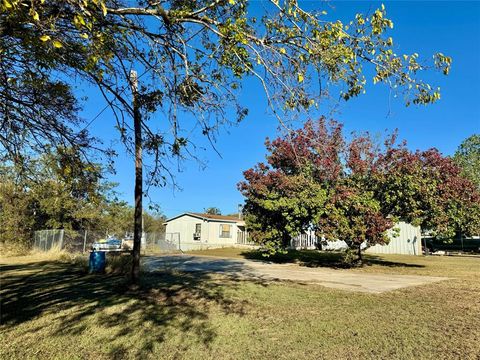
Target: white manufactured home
point(203, 231)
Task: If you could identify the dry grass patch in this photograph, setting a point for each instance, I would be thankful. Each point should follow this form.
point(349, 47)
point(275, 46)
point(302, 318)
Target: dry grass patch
point(54, 310)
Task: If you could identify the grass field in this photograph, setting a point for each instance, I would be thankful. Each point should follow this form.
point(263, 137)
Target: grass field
point(53, 310)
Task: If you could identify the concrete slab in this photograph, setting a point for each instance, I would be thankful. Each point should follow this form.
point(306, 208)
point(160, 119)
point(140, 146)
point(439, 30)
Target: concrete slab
point(332, 278)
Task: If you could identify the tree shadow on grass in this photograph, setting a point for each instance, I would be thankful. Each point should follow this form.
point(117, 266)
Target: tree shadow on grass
point(167, 304)
point(316, 258)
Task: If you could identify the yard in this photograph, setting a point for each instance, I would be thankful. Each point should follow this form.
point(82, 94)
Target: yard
point(52, 310)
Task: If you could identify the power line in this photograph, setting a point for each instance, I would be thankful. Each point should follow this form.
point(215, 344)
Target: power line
point(108, 105)
point(95, 118)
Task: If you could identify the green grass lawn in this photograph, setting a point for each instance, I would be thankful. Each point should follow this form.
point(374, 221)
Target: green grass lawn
point(53, 310)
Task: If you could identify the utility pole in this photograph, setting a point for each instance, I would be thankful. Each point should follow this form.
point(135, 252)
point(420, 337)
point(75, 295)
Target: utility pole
point(137, 230)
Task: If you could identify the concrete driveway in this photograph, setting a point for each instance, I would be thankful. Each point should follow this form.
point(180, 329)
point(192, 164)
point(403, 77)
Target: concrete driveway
point(258, 270)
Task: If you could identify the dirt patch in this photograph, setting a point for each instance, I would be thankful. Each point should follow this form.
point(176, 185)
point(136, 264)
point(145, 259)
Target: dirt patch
point(333, 278)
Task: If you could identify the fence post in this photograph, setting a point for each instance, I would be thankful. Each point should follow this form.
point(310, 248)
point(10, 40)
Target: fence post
point(62, 232)
point(84, 241)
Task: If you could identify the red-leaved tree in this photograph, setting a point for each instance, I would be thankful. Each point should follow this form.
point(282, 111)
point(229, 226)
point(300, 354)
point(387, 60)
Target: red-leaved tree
point(353, 190)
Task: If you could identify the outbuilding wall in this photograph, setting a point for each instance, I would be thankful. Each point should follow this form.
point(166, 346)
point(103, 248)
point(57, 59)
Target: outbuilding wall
point(408, 242)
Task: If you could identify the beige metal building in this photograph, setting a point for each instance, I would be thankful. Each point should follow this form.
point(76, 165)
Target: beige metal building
point(408, 242)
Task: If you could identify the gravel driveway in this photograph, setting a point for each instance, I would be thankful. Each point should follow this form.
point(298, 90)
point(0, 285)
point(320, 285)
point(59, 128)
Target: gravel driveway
point(339, 279)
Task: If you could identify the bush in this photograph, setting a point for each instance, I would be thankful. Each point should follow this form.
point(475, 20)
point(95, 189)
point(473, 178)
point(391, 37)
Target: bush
point(14, 249)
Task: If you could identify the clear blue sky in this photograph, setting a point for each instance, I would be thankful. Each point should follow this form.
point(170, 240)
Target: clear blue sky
point(451, 27)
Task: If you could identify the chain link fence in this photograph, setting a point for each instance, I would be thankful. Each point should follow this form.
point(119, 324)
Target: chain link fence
point(151, 243)
point(161, 243)
point(68, 240)
point(46, 240)
point(82, 240)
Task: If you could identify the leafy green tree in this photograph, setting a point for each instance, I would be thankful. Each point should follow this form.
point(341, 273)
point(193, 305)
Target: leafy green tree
point(468, 158)
point(212, 211)
point(116, 218)
point(17, 214)
point(68, 191)
point(60, 191)
point(154, 222)
point(279, 206)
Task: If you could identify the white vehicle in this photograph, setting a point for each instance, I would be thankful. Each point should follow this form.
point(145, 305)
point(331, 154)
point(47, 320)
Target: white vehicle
point(107, 244)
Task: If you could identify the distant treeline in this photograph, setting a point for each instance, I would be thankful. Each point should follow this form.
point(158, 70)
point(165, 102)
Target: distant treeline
point(59, 190)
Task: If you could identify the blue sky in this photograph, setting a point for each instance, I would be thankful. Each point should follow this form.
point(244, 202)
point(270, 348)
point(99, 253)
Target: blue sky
point(451, 27)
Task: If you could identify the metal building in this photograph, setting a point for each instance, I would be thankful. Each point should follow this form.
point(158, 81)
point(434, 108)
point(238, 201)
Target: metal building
point(408, 242)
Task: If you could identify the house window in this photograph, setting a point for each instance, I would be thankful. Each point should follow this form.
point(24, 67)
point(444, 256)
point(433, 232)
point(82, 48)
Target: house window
point(198, 232)
point(225, 231)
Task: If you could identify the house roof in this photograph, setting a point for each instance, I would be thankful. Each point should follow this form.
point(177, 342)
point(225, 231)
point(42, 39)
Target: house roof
point(211, 217)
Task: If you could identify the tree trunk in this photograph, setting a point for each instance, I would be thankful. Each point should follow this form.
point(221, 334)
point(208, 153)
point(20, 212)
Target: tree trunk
point(286, 238)
point(359, 260)
point(137, 230)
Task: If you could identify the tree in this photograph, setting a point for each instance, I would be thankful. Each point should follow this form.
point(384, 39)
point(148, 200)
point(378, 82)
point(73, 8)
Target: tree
point(283, 197)
point(353, 190)
point(154, 222)
point(68, 191)
point(64, 193)
point(429, 190)
point(212, 211)
point(117, 218)
point(195, 54)
point(279, 206)
point(16, 216)
point(467, 157)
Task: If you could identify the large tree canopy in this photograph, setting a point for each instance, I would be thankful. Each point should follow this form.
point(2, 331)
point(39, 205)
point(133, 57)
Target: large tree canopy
point(353, 190)
point(191, 56)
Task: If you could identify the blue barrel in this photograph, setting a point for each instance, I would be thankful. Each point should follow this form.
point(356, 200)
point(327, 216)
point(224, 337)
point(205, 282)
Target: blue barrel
point(97, 262)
